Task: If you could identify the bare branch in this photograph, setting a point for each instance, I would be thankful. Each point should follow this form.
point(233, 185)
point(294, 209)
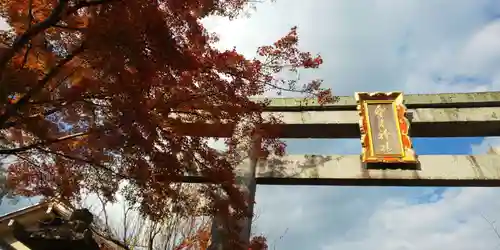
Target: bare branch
point(492, 225)
point(125, 226)
point(117, 242)
point(104, 211)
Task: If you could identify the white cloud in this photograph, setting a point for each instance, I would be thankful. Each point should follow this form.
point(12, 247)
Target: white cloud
point(454, 222)
point(376, 45)
point(482, 53)
point(382, 218)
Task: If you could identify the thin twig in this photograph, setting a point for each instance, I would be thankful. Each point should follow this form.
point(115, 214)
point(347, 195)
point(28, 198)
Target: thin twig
point(30, 20)
point(90, 162)
point(492, 225)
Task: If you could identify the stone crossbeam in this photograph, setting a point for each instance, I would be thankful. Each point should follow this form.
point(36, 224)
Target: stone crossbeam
point(426, 122)
point(435, 115)
point(445, 100)
point(347, 170)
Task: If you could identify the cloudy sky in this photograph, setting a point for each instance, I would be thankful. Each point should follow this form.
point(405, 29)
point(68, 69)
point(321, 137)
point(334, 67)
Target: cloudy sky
point(416, 46)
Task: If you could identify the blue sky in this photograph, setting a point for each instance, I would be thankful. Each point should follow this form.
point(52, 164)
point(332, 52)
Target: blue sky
point(415, 46)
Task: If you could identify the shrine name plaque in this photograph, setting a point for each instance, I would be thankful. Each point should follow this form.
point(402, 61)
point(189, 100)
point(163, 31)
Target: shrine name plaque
point(384, 128)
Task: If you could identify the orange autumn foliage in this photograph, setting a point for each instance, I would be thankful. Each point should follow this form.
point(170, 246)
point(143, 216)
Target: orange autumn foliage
point(201, 240)
point(94, 92)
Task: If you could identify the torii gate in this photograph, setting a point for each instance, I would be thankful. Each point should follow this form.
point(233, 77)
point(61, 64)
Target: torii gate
point(432, 115)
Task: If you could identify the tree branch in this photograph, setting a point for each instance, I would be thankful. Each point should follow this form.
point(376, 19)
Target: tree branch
point(62, 103)
point(104, 211)
point(54, 17)
point(288, 89)
point(30, 13)
point(90, 162)
point(13, 109)
point(492, 225)
point(69, 28)
point(25, 59)
point(117, 242)
point(302, 91)
point(38, 144)
point(88, 3)
point(30, 20)
point(21, 41)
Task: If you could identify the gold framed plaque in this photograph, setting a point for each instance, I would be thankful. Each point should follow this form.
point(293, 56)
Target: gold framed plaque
point(384, 128)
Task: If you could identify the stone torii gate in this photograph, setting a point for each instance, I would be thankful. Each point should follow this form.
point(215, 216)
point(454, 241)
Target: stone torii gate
point(432, 115)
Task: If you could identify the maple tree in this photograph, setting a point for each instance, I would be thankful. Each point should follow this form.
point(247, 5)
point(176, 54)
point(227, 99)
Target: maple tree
point(95, 92)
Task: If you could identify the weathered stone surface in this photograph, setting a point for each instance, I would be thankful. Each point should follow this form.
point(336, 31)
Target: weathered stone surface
point(452, 170)
point(347, 170)
point(428, 122)
point(455, 100)
point(435, 115)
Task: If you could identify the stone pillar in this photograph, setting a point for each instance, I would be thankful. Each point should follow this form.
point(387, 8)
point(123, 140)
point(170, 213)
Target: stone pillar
point(247, 184)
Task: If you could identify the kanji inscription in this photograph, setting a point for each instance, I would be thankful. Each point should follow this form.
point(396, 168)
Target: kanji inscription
point(384, 128)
